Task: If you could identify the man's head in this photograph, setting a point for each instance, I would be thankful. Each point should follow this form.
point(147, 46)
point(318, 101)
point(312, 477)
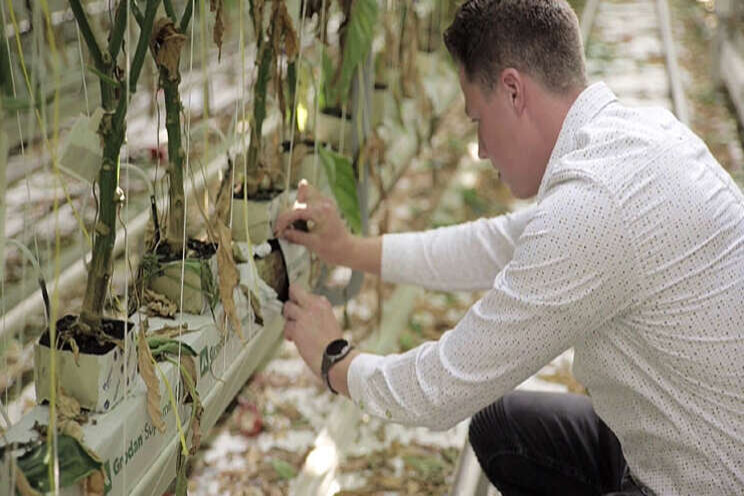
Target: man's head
point(521, 67)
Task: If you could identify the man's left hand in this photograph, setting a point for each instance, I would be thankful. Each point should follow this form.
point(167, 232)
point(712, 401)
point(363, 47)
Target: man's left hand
point(311, 324)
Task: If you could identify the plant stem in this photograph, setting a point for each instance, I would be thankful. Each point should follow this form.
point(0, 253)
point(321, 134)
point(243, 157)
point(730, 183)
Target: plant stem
point(169, 10)
point(259, 103)
point(176, 195)
point(120, 24)
point(186, 17)
point(176, 156)
point(90, 39)
point(112, 130)
point(142, 43)
point(6, 85)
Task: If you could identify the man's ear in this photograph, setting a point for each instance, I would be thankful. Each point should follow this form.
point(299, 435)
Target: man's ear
point(512, 82)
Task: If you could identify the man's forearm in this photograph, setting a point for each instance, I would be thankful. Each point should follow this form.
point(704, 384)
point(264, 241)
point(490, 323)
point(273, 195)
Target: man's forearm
point(364, 254)
point(339, 373)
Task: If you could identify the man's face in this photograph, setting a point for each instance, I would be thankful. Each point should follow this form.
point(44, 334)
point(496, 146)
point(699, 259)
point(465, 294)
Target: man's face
point(504, 133)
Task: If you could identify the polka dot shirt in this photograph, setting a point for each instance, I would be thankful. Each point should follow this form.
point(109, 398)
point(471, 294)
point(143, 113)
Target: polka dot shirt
point(634, 255)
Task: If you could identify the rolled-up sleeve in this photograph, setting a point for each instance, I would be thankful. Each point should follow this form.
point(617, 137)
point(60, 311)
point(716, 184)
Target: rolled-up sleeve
point(572, 270)
point(443, 258)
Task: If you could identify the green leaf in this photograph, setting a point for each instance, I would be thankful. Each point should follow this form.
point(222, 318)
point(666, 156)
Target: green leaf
point(283, 469)
point(12, 104)
point(76, 462)
point(325, 94)
point(360, 31)
point(340, 173)
point(160, 346)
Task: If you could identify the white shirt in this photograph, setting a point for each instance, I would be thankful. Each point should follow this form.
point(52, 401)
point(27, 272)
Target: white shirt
point(633, 255)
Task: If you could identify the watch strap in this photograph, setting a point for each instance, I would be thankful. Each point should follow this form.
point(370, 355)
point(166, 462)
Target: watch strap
point(329, 360)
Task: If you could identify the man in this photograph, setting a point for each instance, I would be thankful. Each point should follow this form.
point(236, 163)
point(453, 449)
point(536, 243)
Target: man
point(633, 254)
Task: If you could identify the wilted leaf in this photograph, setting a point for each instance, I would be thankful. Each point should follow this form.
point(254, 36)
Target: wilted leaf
point(189, 366)
point(284, 25)
point(256, 306)
point(71, 428)
point(22, 485)
point(67, 406)
point(167, 43)
point(182, 481)
point(196, 429)
point(70, 340)
point(219, 24)
point(171, 331)
point(228, 275)
point(283, 469)
point(95, 484)
point(159, 305)
point(147, 371)
point(76, 462)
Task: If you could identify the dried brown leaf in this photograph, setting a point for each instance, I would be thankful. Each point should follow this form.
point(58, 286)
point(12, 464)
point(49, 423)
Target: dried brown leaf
point(196, 433)
point(188, 363)
point(75, 349)
point(147, 371)
point(159, 305)
point(228, 275)
point(95, 484)
point(68, 408)
point(256, 306)
point(286, 27)
point(219, 24)
point(172, 331)
point(22, 484)
point(71, 428)
point(167, 43)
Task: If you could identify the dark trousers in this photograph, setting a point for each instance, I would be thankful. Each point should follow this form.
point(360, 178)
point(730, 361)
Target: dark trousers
point(531, 443)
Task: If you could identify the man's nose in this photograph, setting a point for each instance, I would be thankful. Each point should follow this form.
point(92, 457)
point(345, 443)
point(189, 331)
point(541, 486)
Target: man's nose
point(482, 153)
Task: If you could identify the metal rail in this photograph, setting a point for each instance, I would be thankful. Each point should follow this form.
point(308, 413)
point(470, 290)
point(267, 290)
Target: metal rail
point(679, 100)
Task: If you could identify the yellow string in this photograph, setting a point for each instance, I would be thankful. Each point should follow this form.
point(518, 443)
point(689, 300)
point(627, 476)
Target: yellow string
point(42, 123)
point(51, 429)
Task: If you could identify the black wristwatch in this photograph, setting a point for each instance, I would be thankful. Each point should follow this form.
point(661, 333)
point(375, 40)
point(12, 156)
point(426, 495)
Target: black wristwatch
point(334, 353)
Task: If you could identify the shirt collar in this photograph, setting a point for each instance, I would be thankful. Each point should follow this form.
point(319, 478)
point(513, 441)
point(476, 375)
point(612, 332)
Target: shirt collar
point(587, 105)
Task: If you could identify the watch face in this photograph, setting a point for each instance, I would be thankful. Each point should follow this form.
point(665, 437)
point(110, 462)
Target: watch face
point(336, 347)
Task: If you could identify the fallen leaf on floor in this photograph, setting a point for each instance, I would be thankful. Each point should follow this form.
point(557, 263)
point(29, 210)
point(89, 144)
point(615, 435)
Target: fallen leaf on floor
point(283, 469)
point(248, 419)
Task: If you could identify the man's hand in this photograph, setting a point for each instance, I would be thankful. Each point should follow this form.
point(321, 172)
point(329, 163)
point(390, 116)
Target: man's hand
point(311, 324)
point(327, 235)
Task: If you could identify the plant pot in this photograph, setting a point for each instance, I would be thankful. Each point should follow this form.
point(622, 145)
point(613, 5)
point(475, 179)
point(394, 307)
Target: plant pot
point(100, 377)
point(257, 216)
point(331, 128)
point(383, 103)
point(305, 165)
point(200, 293)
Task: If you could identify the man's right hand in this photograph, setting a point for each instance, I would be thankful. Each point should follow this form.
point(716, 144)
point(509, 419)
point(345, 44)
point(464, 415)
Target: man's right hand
point(327, 235)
